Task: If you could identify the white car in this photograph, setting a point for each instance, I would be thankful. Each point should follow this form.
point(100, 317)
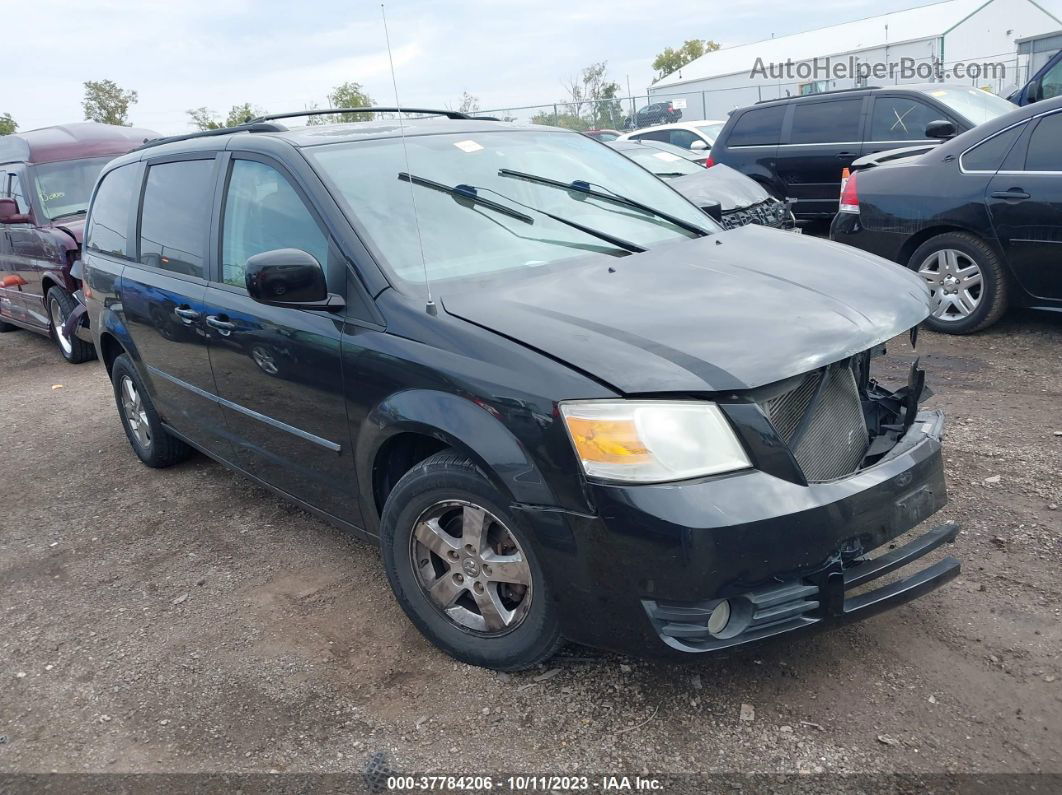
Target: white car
point(699, 135)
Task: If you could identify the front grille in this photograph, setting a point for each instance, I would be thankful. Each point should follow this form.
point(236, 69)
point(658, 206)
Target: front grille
point(769, 212)
point(821, 419)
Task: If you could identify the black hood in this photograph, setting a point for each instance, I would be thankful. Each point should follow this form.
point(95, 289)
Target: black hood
point(723, 184)
point(734, 310)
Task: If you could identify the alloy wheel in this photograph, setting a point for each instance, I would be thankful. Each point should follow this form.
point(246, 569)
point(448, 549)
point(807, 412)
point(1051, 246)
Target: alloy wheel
point(58, 320)
point(135, 415)
point(955, 281)
point(471, 567)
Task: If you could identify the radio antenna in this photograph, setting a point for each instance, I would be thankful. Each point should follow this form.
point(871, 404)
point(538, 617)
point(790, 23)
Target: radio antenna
point(430, 307)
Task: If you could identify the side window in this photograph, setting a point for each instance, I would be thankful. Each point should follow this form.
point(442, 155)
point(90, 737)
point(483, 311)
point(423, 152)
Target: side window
point(990, 153)
point(653, 135)
point(826, 122)
point(1051, 83)
point(263, 212)
point(108, 220)
point(17, 195)
point(901, 119)
point(1043, 154)
point(758, 127)
point(175, 219)
point(683, 138)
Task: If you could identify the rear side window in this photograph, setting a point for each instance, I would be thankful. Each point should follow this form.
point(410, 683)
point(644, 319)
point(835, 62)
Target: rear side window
point(108, 222)
point(826, 122)
point(653, 135)
point(990, 153)
point(175, 220)
point(758, 127)
point(1043, 154)
point(901, 119)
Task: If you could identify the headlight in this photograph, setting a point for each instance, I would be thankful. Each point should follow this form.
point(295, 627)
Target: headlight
point(652, 441)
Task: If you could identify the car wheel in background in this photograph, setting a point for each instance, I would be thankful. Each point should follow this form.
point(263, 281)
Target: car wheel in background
point(462, 567)
point(60, 305)
point(966, 278)
point(152, 443)
point(6, 327)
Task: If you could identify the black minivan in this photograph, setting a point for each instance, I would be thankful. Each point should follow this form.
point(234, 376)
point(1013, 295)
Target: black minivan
point(797, 147)
point(563, 401)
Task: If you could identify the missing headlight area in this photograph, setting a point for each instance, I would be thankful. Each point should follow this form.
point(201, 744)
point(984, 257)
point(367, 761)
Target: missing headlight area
point(839, 419)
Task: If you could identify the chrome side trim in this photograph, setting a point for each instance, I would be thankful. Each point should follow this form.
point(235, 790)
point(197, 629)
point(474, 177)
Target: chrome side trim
point(283, 426)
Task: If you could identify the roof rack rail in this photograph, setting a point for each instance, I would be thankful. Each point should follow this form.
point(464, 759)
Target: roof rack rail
point(450, 114)
point(820, 94)
point(250, 126)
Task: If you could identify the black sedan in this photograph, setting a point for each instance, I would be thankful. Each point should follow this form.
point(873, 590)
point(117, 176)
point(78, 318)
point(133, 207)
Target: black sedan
point(724, 193)
point(979, 218)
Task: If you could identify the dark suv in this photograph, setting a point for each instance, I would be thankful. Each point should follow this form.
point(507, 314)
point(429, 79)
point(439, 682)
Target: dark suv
point(655, 113)
point(46, 178)
point(797, 147)
point(562, 400)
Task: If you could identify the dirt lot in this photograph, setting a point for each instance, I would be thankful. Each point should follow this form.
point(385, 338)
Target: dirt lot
point(184, 620)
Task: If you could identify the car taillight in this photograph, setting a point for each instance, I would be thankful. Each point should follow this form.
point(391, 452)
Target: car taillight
point(849, 194)
point(709, 162)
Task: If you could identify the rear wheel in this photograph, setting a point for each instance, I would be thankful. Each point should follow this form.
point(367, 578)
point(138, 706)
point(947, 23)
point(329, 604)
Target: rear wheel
point(152, 443)
point(463, 569)
point(966, 279)
point(60, 305)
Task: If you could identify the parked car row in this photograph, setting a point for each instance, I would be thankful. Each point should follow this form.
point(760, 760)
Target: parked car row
point(561, 398)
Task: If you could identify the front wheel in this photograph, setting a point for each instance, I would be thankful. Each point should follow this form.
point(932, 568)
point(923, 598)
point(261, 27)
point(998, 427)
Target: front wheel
point(462, 567)
point(152, 443)
point(966, 280)
point(60, 305)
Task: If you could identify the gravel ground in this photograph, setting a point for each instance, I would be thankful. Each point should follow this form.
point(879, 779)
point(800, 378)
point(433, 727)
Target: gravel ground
point(184, 620)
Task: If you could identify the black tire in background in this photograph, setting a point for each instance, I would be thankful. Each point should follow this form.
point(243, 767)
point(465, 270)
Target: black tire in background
point(448, 479)
point(152, 443)
point(60, 305)
point(6, 327)
point(942, 260)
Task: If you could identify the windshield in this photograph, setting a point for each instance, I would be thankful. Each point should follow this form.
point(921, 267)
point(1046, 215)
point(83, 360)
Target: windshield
point(662, 163)
point(464, 238)
point(64, 188)
point(972, 104)
point(711, 129)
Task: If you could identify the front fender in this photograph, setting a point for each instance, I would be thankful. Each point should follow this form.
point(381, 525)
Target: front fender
point(462, 425)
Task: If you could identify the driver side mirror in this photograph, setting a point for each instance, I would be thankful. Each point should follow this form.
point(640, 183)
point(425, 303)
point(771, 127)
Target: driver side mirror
point(289, 277)
point(9, 213)
point(1034, 91)
point(699, 146)
point(940, 129)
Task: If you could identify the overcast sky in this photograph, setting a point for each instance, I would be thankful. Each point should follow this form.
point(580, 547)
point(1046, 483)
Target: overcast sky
point(183, 54)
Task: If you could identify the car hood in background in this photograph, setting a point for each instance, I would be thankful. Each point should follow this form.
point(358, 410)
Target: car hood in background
point(723, 184)
point(75, 227)
point(734, 310)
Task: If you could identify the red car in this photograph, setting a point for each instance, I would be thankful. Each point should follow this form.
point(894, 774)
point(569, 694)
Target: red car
point(46, 180)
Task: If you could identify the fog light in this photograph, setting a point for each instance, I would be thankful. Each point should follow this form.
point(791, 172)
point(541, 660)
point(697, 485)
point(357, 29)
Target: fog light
point(719, 618)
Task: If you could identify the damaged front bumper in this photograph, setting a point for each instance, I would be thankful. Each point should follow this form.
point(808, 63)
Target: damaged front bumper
point(76, 323)
point(655, 563)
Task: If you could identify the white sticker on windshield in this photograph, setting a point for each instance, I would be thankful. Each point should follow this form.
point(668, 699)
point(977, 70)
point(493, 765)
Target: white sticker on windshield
point(668, 157)
point(468, 146)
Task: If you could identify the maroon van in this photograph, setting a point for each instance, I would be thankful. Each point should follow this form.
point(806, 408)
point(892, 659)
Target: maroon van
point(46, 179)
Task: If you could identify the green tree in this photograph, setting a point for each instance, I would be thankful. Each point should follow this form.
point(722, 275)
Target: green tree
point(106, 102)
point(592, 101)
point(204, 119)
point(7, 124)
point(672, 60)
point(345, 95)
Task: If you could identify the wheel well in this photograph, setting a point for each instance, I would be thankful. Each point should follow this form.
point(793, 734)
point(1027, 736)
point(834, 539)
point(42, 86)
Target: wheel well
point(912, 243)
point(110, 349)
point(396, 457)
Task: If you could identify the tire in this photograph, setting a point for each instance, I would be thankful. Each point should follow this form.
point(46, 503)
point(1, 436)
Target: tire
point(967, 280)
point(60, 305)
point(152, 443)
point(6, 327)
point(519, 628)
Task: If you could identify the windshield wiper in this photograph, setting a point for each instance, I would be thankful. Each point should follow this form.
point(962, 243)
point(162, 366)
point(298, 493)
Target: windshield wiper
point(471, 194)
point(67, 215)
point(581, 186)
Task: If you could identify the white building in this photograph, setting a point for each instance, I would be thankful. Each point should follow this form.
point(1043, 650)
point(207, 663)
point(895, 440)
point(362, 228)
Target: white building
point(973, 42)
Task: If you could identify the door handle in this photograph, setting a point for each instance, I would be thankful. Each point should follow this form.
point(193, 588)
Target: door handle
point(184, 313)
point(222, 325)
point(1014, 194)
point(842, 155)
